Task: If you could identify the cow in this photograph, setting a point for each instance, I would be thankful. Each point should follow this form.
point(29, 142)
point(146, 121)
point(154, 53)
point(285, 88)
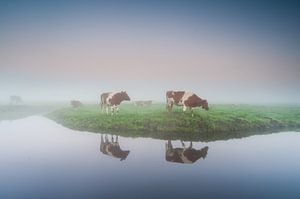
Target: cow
point(14, 99)
point(76, 103)
point(188, 100)
point(112, 148)
point(143, 103)
point(184, 155)
point(113, 100)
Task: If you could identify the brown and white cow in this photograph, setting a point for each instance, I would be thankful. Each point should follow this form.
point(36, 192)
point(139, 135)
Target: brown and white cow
point(113, 100)
point(188, 100)
point(184, 155)
point(112, 148)
point(75, 103)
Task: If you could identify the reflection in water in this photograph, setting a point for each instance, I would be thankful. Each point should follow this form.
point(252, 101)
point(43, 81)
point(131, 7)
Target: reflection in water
point(184, 155)
point(112, 148)
point(40, 158)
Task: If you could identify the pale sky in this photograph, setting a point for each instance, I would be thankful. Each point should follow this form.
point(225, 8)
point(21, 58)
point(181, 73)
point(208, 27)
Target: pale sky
point(234, 52)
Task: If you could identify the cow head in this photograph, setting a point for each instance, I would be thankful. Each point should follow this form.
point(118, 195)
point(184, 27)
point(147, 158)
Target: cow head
point(124, 155)
point(125, 96)
point(204, 104)
point(204, 152)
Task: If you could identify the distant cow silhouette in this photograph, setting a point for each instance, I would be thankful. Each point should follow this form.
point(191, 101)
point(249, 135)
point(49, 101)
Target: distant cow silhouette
point(112, 148)
point(75, 103)
point(113, 100)
point(184, 155)
point(14, 99)
point(143, 103)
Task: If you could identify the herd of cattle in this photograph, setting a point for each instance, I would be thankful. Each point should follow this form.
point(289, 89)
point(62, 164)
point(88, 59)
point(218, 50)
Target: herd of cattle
point(112, 100)
point(185, 155)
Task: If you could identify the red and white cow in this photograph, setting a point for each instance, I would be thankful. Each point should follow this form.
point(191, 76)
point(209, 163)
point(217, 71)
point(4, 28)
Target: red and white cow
point(112, 148)
point(188, 100)
point(184, 155)
point(113, 100)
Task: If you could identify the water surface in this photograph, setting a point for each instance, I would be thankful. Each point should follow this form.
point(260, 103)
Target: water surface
point(42, 159)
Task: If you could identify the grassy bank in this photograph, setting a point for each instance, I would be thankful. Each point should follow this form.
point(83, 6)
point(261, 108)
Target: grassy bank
point(220, 122)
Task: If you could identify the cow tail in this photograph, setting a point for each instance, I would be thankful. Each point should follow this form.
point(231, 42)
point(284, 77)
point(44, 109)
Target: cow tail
point(101, 102)
point(167, 103)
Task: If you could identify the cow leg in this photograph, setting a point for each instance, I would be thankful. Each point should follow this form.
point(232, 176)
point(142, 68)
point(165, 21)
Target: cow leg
point(166, 146)
point(102, 139)
point(107, 111)
point(102, 107)
point(182, 143)
point(169, 144)
point(105, 108)
point(191, 110)
point(106, 138)
point(184, 108)
point(115, 109)
point(169, 105)
point(112, 110)
point(191, 145)
point(102, 144)
point(117, 138)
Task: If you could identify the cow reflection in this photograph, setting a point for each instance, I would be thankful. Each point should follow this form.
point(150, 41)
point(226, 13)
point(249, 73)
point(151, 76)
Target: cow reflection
point(112, 148)
point(184, 155)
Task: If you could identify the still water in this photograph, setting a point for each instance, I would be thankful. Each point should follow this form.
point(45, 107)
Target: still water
point(42, 159)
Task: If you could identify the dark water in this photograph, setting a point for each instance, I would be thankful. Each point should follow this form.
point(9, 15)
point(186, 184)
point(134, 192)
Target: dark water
point(41, 159)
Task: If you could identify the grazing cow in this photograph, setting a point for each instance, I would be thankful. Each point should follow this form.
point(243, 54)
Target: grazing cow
point(113, 100)
point(112, 148)
point(143, 103)
point(14, 99)
point(184, 155)
point(76, 103)
point(188, 100)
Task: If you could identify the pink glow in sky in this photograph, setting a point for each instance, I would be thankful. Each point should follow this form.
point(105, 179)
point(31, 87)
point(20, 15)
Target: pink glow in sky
point(80, 55)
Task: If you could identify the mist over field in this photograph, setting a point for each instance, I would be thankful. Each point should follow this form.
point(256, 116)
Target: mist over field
point(233, 53)
point(238, 139)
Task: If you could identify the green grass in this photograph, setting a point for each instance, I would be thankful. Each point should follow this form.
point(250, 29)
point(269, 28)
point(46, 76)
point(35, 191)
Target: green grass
point(220, 122)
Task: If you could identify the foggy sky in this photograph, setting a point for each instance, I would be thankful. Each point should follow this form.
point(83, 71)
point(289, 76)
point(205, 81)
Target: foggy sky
point(225, 52)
